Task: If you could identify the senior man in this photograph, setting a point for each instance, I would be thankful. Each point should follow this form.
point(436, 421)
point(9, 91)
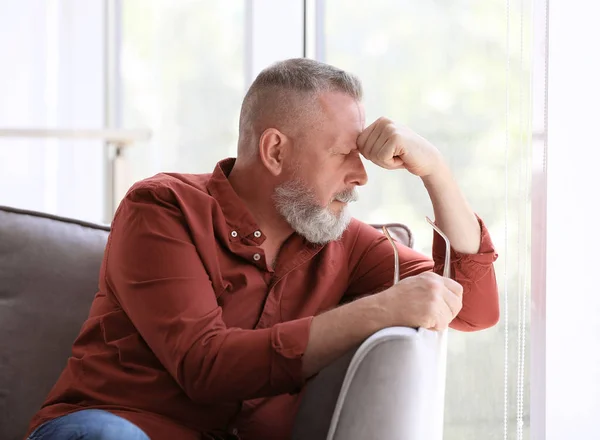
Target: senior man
point(221, 294)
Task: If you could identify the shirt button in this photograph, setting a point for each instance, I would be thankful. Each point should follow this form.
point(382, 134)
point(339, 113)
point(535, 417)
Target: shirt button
point(234, 234)
point(257, 234)
point(256, 257)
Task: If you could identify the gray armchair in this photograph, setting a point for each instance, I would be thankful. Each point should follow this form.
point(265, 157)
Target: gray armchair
point(391, 387)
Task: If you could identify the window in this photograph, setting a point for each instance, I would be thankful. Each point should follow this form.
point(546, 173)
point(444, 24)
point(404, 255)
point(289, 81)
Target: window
point(182, 73)
point(456, 72)
point(447, 70)
point(53, 78)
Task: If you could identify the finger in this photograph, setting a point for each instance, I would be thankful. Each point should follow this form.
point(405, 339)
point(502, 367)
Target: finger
point(443, 318)
point(371, 135)
point(384, 141)
point(384, 154)
point(364, 135)
point(453, 286)
point(369, 148)
point(453, 302)
point(375, 143)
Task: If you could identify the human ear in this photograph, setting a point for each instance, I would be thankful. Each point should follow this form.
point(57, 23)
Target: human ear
point(272, 149)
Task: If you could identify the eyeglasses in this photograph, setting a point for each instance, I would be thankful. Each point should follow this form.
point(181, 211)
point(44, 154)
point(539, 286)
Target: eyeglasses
point(445, 273)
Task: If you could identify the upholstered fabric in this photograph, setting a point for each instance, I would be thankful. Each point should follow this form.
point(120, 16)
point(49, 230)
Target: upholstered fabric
point(48, 277)
point(391, 387)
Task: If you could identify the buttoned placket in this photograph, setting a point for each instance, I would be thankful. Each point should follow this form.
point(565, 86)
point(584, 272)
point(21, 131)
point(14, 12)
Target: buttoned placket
point(254, 237)
point(270, 313)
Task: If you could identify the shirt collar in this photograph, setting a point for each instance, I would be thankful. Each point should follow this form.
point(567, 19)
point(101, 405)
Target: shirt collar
point(237, 216)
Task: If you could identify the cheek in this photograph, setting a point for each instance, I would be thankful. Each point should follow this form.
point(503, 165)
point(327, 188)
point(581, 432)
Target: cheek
point(324, 197)
point(319, 188)
point(322, 176)
point(325, 189)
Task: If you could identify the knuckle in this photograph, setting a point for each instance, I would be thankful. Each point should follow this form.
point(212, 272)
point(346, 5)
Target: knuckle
point(390, 129)
point(431, 284)
point(457, 289)
point(420, 276)
point(429, 274)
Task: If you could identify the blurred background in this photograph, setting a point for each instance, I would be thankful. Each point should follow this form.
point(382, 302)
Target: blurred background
point(168, 77)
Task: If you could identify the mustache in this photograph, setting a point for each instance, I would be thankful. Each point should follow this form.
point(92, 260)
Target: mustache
point(346, 196)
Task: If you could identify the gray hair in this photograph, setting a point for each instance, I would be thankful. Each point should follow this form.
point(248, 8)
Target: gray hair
point(282, 94)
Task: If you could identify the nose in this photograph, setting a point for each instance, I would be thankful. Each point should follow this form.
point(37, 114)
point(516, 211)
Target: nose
point(358, 174)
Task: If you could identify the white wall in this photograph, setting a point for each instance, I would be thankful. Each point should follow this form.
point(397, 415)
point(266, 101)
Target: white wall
point(573, 241)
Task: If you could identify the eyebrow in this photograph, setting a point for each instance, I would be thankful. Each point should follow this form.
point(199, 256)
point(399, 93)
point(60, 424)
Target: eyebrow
point(343, 152)
point(345, 149)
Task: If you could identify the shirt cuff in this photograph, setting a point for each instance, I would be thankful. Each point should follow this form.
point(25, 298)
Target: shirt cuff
point(475, 265)
point(289, 341)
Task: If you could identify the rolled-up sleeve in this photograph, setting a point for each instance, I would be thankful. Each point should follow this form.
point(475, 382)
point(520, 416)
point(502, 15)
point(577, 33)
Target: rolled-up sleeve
point(155, 273)
point(475, 272)
point(372, 269)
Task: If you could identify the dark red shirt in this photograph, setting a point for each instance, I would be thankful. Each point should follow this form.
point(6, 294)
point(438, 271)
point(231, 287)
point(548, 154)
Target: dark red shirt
point(190, 333)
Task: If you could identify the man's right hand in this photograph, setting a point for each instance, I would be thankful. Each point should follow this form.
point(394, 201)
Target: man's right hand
point(425, 300)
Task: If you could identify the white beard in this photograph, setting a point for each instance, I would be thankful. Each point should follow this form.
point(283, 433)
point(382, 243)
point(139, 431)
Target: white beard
point(297, 204)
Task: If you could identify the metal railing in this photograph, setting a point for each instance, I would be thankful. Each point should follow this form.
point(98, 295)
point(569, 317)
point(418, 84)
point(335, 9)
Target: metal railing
point(115, 141)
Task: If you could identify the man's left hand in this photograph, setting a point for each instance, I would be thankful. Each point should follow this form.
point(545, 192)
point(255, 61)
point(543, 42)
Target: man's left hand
point(393, 147)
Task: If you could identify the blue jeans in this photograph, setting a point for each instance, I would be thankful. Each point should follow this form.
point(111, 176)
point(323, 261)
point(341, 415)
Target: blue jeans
point(88, 424)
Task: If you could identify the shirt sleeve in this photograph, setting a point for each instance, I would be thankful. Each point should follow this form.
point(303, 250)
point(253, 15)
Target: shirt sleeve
point(372, 270)
point(156, 275)
point(475, 272)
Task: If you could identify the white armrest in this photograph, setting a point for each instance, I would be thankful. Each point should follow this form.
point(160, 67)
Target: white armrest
point(391, 387)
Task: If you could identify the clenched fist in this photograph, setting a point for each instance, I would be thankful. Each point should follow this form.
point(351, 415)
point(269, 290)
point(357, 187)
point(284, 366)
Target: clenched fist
point(392, 147)
point(426, 300)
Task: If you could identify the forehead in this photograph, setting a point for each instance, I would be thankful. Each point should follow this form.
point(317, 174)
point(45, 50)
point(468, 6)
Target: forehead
point(342, 112)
